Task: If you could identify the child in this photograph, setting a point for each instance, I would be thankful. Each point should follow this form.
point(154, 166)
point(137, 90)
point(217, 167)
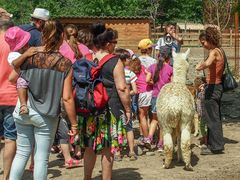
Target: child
point(18, 43)
point(131, 82)
point(158, 75)
point(199, 83)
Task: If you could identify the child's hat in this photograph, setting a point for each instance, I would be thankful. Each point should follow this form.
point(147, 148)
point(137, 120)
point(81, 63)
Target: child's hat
point(16, 38)
point(145, 44)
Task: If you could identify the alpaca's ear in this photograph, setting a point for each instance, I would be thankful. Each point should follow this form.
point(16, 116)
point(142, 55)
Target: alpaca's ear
point(174, 54)
point(186, 54)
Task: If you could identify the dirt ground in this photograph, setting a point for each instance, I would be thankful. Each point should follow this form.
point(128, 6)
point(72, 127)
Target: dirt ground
point(221, 167)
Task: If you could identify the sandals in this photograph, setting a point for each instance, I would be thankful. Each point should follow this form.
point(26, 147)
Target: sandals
point(23, 109)
point(117, 158)
point(72, 163)
point(132, 157)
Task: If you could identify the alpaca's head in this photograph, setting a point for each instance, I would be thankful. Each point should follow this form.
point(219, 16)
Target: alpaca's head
point(180, 66)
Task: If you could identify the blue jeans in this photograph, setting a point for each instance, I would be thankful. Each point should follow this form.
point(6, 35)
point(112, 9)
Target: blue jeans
point(7, 125)
point(33, 130)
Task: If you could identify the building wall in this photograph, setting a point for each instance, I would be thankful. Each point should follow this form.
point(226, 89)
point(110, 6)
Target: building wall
point(129, 34)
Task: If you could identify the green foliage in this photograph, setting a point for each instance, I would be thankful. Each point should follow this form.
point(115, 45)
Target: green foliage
point(159, 10)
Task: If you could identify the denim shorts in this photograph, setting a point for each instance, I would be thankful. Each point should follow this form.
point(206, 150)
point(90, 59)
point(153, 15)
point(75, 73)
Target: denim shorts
point(129, 126)
point(7, 124)
point(153, 104)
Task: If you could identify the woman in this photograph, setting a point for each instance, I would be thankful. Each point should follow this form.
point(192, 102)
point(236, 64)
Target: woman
point(210, 40)
point(105, 134)
point(50, 78)
point(158, 75)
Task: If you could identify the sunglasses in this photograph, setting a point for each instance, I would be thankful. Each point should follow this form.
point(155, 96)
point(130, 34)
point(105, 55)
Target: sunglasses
point(114, 42)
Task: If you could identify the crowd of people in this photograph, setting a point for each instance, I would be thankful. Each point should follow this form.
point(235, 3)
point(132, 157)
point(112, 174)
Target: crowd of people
point(37, 100)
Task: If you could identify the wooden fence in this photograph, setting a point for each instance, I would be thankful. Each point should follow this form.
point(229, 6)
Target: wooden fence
point(191, 39)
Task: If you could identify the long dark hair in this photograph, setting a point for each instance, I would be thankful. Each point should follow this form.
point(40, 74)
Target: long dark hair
point(71, 32)
point(165, 54)
point(102, 35)
point(158, 69)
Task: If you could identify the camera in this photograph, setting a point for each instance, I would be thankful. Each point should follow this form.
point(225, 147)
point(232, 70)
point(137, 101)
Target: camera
point(168, 40)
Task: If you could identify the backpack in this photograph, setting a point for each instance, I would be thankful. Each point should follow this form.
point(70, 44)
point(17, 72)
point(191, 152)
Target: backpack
point(91, 95)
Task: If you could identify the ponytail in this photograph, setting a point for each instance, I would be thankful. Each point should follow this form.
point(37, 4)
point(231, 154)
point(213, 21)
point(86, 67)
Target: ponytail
point(157, 71)
point(70, 32)
point(74, 46)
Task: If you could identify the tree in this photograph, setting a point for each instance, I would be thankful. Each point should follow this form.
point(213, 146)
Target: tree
point(159, 10)
point(218, 12)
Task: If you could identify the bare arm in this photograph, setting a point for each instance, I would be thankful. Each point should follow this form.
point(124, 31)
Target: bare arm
point(68, 100)
point(205, 64)
point(13, 76)
point(20, 60)
point(134, 88)
point(149, 79)
point(177, 37)
point(122, 89)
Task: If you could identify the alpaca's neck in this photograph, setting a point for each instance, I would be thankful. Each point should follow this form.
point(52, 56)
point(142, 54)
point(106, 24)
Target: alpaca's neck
point(179, 76)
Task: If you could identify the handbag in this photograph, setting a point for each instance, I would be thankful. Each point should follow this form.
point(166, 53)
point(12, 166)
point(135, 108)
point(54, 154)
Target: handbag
point(228, 81)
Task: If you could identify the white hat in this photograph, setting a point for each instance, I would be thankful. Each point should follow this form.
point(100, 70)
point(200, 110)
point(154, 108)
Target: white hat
point(40, 13)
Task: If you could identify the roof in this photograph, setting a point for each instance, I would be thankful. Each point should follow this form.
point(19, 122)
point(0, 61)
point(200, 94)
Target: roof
point(191, 26)
point(106, 17)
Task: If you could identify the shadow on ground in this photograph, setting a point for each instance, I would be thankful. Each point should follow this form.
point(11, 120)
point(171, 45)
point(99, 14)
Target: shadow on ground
point(52, 173)
point(123, 174)
point(230, 141)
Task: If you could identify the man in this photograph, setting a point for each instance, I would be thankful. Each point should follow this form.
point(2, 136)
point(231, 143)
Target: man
point(170, 39)
point(8, 99)
point(38, 19)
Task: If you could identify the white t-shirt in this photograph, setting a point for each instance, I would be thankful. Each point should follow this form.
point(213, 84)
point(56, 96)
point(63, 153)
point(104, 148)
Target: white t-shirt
point(161, 42)
point(147, 61)
point(130, 76)
point(12, 56)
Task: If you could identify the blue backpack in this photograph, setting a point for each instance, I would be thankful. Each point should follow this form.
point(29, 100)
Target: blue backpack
point(91, 95)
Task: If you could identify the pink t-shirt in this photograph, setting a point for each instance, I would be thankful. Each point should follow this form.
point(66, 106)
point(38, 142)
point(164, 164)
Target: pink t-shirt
point(142, 85)
point(164, 77)
point(67, 52)
point(8, 93)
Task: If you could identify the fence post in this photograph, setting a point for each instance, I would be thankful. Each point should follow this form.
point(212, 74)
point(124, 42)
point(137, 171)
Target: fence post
point(231, 43)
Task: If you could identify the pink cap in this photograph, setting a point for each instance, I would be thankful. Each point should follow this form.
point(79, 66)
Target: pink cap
point(130, 52)
point(16, 38)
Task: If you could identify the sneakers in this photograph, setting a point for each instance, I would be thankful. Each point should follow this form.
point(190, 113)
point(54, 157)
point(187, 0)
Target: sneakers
point(160, 148)
point(205, 150)
point(147, 143)
point(141, 141)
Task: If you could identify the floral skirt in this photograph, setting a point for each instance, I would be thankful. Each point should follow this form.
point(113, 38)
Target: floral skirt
point(104, 130)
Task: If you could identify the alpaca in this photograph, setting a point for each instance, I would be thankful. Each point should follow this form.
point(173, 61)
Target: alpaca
point(175, 110)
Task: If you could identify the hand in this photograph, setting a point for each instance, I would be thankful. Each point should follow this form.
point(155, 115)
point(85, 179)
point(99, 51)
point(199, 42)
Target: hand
point(128, 116)
point(31, 51)
point(73, 132)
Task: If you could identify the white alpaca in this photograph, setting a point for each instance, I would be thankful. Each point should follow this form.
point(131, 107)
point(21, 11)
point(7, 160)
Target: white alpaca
point(175, 110)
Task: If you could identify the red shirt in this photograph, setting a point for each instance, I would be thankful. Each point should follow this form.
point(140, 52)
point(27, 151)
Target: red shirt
point(8, 93)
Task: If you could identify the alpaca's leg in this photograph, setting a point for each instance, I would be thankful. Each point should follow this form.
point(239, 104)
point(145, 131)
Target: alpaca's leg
point(179, 154)
point(185, 146)
point(168, 149)
point(196, 124)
